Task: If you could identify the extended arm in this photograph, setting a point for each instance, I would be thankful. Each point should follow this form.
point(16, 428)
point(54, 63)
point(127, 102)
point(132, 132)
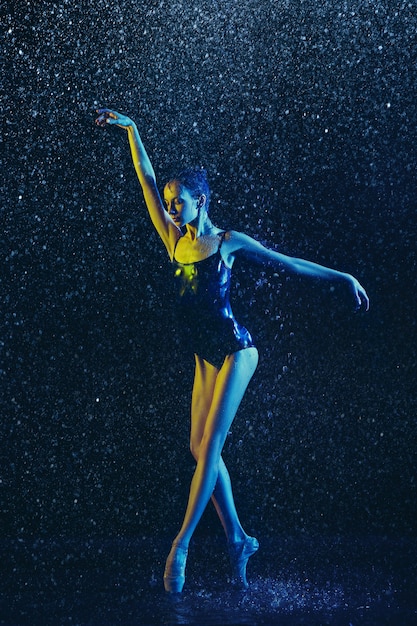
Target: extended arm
point(163, 223)
point(239, 242)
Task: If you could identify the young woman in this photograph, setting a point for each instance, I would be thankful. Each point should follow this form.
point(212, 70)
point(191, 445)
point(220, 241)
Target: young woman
point(225, 355)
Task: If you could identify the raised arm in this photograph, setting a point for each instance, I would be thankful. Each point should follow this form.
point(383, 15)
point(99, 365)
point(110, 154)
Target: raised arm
point(238, 242)
point(165, 226)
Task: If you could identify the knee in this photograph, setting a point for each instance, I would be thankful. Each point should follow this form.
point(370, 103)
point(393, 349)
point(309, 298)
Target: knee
point(205, 448)
point(208, 450)
point(194, 448)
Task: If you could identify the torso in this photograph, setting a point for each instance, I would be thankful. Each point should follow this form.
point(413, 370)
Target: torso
point(187, 251)
point(203, 286)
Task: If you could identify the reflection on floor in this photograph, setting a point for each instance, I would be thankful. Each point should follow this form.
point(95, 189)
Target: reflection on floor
point(294, 580)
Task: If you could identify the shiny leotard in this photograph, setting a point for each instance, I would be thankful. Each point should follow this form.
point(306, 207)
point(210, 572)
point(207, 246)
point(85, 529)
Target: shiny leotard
point(206, 320)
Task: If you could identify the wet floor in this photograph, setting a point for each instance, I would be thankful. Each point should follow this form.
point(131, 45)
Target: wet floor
point(294, 581)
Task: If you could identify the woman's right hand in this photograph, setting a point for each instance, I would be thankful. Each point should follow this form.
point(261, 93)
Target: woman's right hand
point(107, 116)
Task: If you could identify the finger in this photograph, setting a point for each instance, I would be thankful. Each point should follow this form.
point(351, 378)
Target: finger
point(362, 300)
point(101, 120)
point(107, 114)
point(365, 299)
point(106, 118)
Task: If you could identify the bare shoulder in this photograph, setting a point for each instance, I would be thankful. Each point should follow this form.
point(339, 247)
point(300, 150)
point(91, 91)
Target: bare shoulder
point(246, 246)
point(235, 241)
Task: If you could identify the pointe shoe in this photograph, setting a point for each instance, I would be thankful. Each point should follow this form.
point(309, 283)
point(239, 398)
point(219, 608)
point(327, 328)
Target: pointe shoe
point(174, 575)
point(239, 553)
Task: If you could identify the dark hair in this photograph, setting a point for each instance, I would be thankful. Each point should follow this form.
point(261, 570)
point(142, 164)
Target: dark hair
point(195, 180)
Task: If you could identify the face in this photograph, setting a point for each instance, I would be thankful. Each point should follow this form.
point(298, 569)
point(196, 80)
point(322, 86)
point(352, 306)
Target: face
point(180, 204)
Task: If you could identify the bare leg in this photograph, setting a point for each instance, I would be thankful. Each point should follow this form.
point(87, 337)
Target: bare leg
point(222, 497)
point(224, 503)
point(231, 383)
point(229, 387)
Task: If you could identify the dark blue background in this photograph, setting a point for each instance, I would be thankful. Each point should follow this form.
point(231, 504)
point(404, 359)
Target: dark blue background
point(304, 115)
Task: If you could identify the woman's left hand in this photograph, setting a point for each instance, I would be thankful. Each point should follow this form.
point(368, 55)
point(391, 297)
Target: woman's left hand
point(359, 293)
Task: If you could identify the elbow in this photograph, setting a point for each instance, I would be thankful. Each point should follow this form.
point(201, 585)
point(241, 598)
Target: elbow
point(292, 268)
point(150, 180)
point(147, 180)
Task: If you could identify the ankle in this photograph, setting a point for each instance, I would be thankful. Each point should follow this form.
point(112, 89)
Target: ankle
point(236, 538)
point(180, 545)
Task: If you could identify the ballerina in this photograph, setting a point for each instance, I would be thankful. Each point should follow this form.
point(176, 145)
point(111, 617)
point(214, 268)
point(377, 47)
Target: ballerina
point(225, 355)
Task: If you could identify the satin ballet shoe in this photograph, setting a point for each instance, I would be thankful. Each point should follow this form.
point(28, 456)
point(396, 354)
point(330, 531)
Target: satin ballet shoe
point(240, 553)
point(174, 575)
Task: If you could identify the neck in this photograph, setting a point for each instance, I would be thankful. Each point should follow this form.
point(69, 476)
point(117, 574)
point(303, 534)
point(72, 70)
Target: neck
point(200, 227)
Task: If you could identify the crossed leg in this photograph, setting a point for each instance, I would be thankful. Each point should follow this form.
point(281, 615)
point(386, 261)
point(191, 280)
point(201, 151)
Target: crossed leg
point(222, 496)
point(216, 398)
point(224, 399)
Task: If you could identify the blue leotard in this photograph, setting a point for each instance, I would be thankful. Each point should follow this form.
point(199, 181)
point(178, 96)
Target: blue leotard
point(206, 321)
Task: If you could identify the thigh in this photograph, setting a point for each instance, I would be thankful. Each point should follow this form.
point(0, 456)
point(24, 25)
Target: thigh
point(203, 389)
point(229, 389)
